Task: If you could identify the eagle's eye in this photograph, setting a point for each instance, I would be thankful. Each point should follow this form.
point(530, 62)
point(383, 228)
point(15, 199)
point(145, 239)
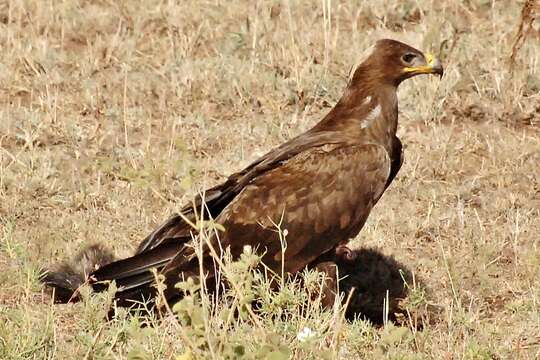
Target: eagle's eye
point(408, 58)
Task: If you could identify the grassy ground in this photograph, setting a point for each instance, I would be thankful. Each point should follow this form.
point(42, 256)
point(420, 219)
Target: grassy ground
point(113, 114)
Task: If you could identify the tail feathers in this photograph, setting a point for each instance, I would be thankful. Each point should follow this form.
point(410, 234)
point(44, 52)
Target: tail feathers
point(133, 275)
point(97, 266)
point(137, 264)
point(64, 280)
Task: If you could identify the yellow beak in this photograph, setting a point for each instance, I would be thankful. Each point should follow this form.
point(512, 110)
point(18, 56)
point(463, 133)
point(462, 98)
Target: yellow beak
point(431, 66)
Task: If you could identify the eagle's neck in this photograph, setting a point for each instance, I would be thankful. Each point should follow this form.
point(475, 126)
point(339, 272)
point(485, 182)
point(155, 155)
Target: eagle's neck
point(367, 110)
point(380, 123)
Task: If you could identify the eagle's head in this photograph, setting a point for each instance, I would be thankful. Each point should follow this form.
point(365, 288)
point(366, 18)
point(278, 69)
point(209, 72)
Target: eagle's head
point(392, 62)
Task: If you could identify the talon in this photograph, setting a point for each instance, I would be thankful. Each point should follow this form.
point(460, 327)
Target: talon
point(343, 253)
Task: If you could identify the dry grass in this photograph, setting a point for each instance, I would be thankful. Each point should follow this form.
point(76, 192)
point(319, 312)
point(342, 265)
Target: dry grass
point(112, 114)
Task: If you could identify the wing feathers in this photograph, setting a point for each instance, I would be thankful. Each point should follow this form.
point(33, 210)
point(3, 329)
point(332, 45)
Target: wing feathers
point(138, 264)
point(321, 195)
point(344, 182)
point(218, 197)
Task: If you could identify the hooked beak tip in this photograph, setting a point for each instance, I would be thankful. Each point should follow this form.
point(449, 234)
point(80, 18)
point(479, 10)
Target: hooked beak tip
point(435, 65)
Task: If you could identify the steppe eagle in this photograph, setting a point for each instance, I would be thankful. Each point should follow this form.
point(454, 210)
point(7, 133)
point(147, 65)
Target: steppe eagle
point(319, 187)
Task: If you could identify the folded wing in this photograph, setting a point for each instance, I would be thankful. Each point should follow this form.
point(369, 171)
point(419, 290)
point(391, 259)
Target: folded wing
point(318, 199)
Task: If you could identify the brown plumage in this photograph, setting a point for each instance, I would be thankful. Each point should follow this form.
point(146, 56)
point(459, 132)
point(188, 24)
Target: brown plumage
point(320, 186)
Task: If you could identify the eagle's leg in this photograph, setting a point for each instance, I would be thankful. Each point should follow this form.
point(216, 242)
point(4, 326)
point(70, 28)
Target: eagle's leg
point(330, 264)
point(329, 289)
